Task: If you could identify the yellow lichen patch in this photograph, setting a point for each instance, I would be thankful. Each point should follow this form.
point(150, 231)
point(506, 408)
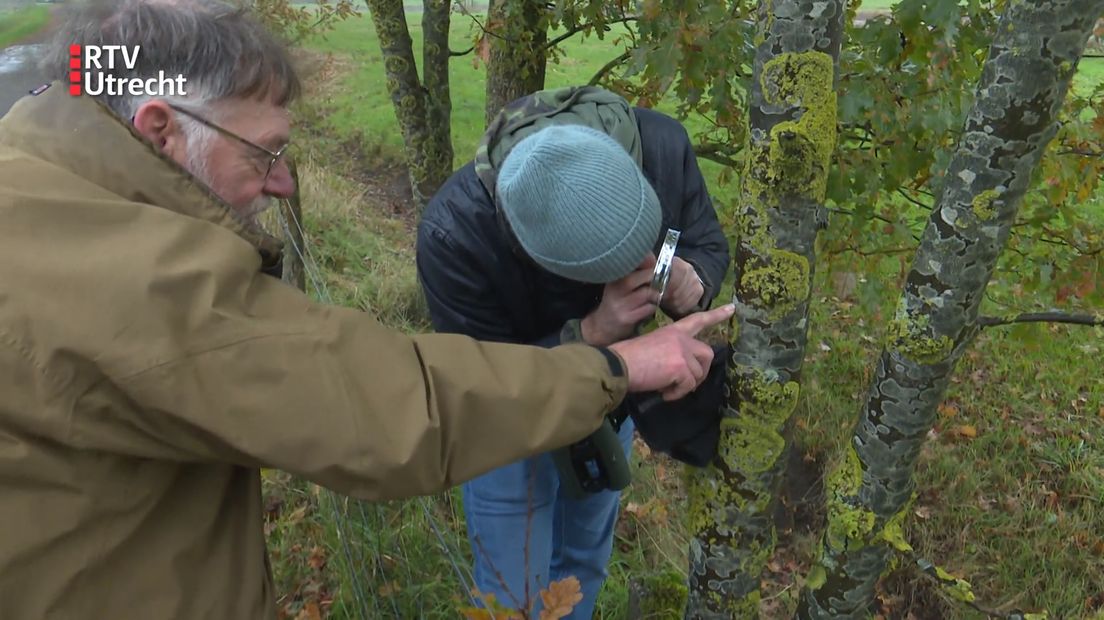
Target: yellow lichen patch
point(894, 533)
point(781, 285)
point(983, 204)
point(771, 403)
point(797, 158)
point(751, 447)
point(848, 524)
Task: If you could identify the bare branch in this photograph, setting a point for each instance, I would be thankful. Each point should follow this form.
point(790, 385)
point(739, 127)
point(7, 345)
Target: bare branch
point(1043, 317)
point(463, 53)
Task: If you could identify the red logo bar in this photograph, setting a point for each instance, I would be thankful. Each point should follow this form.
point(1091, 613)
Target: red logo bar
point(75, 76)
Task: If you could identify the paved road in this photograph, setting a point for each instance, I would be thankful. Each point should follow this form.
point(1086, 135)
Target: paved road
point(18, 73)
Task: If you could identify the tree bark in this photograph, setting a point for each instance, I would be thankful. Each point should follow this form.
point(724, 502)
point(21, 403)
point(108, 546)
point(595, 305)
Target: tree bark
point(791, 141)
point(428, 145)
point(1031, 61)
point(517, 63)
point(435, 68)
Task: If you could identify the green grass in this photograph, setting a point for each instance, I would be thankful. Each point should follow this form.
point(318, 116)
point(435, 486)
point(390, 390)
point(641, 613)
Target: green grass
point(23, 22)
point(1016, 506)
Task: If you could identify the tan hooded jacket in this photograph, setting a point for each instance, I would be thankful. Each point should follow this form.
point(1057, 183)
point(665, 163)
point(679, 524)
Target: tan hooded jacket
point(148, 370)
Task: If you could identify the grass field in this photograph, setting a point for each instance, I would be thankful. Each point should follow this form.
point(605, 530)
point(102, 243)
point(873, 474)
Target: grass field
point(19, 23)
point(1011, 482)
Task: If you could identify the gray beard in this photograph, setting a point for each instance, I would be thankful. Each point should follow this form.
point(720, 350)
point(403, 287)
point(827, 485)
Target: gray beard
point(197, 160)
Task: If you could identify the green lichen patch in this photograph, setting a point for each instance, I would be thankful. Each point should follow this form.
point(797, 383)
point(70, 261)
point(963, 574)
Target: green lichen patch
point(768, 402)
point(910, 336)
point(750, 447)
point(781, 285)
point(849, 524)
point(796, 160)
point(959, 589)
point(983, 204)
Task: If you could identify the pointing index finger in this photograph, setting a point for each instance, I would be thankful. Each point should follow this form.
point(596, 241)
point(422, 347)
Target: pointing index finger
point(698, 321)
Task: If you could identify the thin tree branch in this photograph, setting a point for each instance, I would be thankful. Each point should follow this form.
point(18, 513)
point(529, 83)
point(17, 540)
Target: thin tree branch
point(1043, 317)
point(923, 205)
point(576, 30)
point(1082, 153)
point(609, 66)
point(874, 216)
point(885, 252)
point(719, 153)
point(464, 11)
point(454, 54)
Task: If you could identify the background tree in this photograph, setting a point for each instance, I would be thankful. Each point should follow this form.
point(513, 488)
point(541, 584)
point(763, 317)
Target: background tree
point(423, 106)
point(1023, 85)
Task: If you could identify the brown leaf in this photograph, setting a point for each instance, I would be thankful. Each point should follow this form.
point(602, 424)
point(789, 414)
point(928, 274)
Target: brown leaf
point(560, 598)
point(633, 508)
point(947, 410)
point(924, 512)
point(310, 611)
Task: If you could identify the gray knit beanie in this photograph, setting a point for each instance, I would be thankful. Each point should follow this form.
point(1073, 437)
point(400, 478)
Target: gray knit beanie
point(578, 203)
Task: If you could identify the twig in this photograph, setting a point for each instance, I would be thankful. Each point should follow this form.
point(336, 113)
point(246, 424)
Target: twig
point(889, 251)
point(497, 573)
point(919, 203)
point(1043, 317)
point(453, 53)
point(1082, 153)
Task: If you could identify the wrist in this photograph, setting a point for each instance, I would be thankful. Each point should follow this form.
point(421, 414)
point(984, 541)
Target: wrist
point(591, 333)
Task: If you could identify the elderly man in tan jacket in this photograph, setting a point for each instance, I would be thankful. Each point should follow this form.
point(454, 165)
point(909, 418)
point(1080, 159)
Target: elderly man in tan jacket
point(149, 367)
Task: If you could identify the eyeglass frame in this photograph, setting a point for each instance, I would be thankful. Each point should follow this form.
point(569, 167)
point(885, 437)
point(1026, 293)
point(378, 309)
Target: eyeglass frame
point(274, 155)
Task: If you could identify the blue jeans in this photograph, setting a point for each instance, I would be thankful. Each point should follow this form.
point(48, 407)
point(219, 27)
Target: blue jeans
point(566, 537)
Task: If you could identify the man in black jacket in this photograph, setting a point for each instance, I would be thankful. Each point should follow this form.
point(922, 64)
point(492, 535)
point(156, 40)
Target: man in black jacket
point(549, 236)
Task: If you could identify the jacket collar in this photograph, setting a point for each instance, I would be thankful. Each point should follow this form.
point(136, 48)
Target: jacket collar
point(83, 136)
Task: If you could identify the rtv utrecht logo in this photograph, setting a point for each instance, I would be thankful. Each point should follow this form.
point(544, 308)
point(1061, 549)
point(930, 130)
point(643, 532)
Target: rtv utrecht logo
point(105, 59)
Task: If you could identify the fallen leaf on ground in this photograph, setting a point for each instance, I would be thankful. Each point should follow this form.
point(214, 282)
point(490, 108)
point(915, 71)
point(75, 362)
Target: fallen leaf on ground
point(310, 611)
point(967, 431)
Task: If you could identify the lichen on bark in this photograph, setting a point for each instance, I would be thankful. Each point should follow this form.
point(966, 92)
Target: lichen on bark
point(792, 134)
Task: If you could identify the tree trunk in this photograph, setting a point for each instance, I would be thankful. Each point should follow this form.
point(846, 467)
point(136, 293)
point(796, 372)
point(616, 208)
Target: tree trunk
point(1031, 62)
point(416, 111)
point(517, 51)
point(793, 134)
point(435, 68)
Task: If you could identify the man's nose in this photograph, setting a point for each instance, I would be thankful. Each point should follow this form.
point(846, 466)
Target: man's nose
point(279, 183)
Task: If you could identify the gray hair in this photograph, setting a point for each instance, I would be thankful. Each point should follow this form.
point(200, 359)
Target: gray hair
point(220, 49)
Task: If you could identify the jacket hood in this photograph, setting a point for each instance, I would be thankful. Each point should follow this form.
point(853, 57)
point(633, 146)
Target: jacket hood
point(83, 136)
point(592, 106)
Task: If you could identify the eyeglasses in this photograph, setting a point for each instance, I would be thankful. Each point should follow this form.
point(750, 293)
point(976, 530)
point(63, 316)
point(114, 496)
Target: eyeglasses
point(269, 157)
